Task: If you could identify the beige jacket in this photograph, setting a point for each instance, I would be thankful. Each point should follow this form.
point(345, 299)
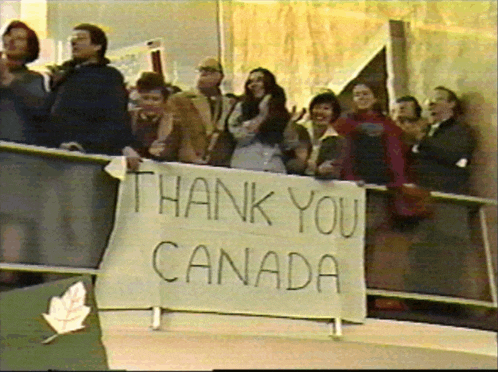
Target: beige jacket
point(192, 113)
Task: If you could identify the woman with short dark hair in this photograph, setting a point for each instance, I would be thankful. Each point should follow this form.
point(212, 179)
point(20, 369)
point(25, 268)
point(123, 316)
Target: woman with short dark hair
point(22, 92)
point(323, 147)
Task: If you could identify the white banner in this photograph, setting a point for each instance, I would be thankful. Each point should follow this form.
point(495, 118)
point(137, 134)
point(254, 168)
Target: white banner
point(230, 241)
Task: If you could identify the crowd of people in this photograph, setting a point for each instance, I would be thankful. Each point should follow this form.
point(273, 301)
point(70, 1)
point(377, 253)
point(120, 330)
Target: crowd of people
point(87, 109)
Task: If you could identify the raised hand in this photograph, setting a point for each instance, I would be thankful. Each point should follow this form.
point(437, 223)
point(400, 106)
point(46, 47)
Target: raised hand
point(133, 159)
point(264, 105)
point(156, 148)
point(295, 115)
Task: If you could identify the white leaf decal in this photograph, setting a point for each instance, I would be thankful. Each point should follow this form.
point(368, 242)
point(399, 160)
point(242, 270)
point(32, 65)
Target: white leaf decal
point(67, 313)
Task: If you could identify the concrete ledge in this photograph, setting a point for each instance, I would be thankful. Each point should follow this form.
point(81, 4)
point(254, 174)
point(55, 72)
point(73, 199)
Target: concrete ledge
point(373, 331)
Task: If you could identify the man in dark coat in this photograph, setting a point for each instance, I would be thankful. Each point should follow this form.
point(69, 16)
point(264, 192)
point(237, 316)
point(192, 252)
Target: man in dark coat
point(443, 156)
point(88, 105)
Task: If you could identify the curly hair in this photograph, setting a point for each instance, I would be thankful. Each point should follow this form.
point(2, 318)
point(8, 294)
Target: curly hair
point(271, 130)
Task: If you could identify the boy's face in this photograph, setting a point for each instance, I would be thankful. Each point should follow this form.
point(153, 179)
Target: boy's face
point(151, 102)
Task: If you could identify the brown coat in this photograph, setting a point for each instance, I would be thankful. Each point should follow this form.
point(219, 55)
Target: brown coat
point(191, 113)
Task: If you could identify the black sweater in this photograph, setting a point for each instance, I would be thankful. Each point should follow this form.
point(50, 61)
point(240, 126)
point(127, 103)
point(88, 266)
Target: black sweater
point(89, 106)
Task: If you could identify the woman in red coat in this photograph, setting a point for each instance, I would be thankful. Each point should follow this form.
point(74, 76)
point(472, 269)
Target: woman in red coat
point(374, 152)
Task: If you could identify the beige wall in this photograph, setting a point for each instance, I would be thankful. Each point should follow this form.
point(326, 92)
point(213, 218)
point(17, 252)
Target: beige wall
point(310, 44)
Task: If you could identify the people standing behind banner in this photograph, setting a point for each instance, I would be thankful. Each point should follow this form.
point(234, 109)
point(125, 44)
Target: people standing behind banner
point(22, 92)
point(201, 114)
point(374, 149)
point(442, 158)
point(152, 121)
point(88, 105)
point(325, 148)
point(258, 123)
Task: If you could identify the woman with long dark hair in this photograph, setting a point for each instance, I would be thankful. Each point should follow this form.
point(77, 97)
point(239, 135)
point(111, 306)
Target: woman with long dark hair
point(258, 122)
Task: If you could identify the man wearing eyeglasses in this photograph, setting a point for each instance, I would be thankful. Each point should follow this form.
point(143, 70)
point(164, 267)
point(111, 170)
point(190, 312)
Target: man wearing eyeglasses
point(201, 114)
point(88, 105)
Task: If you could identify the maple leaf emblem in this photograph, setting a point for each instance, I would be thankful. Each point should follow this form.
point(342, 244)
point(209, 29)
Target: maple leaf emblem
point(67, 313)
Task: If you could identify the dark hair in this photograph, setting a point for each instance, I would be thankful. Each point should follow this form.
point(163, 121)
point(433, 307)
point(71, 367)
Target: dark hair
point(452, 97)
point(330, 98)
point(377, 107)
point(269, 81)
point(151, 81)
point(97, 37)
point(271, 131)
point(33, 43)
point(271, 87)
point(418, 108)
